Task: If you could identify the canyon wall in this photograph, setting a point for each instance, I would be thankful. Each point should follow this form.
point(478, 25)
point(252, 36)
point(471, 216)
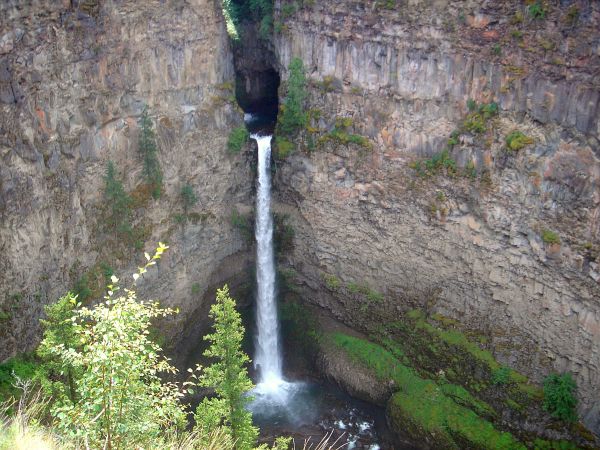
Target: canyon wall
point(74, 79)
point(507, 243)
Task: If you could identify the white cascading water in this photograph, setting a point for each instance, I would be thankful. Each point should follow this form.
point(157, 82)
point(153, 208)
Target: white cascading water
point(268, 355)
point(275, 400)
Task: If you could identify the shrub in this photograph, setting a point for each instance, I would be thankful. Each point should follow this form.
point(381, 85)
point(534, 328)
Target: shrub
point(121, 401)
point(453, 139)
point(288, 9)
point(332, 282)
point(550, 237)
point(230, 13)
point(107, 270)
point(260, 11)
point(439, 161)
point(339, 134)
point(476, 121)
point(284, 147)
point(237, 138)
point(537, 11)
point(516, 140)
point(20, 367)
point(559, 396)
point(474, 124)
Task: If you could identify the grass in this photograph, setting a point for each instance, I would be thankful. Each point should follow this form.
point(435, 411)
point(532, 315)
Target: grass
point(425, 408)
point(370, 296)
point(340, 134)
point(332, 282)
point(550, 237)
point(516, 140)
point(501, 375)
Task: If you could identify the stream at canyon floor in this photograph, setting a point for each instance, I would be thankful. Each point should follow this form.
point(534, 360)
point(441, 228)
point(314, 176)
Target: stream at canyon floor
point(313, 409)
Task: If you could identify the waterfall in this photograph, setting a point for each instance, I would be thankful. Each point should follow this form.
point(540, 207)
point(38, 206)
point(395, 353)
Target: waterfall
point(268, 355)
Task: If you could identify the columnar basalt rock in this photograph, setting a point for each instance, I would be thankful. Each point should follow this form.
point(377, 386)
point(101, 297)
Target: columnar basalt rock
point(74, 78)
point(468, 245)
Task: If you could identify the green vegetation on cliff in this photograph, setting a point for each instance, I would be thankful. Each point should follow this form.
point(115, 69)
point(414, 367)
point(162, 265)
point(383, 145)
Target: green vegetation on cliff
point(447, 414)
point(475, 123)
point(149, 150)
point(293, 117)
point(236, 11)
point(118, 201)
point(237, 138)
point(341, 135)
point(105, 382)
point(516, 140)
point(559, 396)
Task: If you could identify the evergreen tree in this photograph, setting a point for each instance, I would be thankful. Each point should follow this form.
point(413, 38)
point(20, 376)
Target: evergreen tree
point(559, 396)
point(188, 197)
point(227, 375)
point(293, 116)
point(57, 377)
point(149, 150)
point(119, 202)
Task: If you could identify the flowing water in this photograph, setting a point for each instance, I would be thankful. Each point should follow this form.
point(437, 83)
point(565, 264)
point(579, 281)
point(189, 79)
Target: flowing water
point(267, 359)
point(280, 406)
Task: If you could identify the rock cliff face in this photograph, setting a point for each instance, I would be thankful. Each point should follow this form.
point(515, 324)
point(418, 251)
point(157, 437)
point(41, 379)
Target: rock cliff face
point(74, 78)
point(479, 243)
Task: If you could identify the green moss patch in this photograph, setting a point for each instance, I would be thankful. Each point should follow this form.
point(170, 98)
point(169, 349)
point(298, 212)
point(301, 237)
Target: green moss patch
point(443, 413)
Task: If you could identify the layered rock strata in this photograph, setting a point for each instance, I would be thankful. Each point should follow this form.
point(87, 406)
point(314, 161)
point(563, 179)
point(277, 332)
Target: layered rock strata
point(74, 78)
point(481, 244)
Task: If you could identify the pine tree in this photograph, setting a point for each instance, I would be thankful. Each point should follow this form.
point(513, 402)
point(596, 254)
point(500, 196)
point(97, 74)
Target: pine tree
point(188, 197)
point(57, 377)
point(119, 202)
point(293, 117)
point(227, 375)
point(149, 150)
